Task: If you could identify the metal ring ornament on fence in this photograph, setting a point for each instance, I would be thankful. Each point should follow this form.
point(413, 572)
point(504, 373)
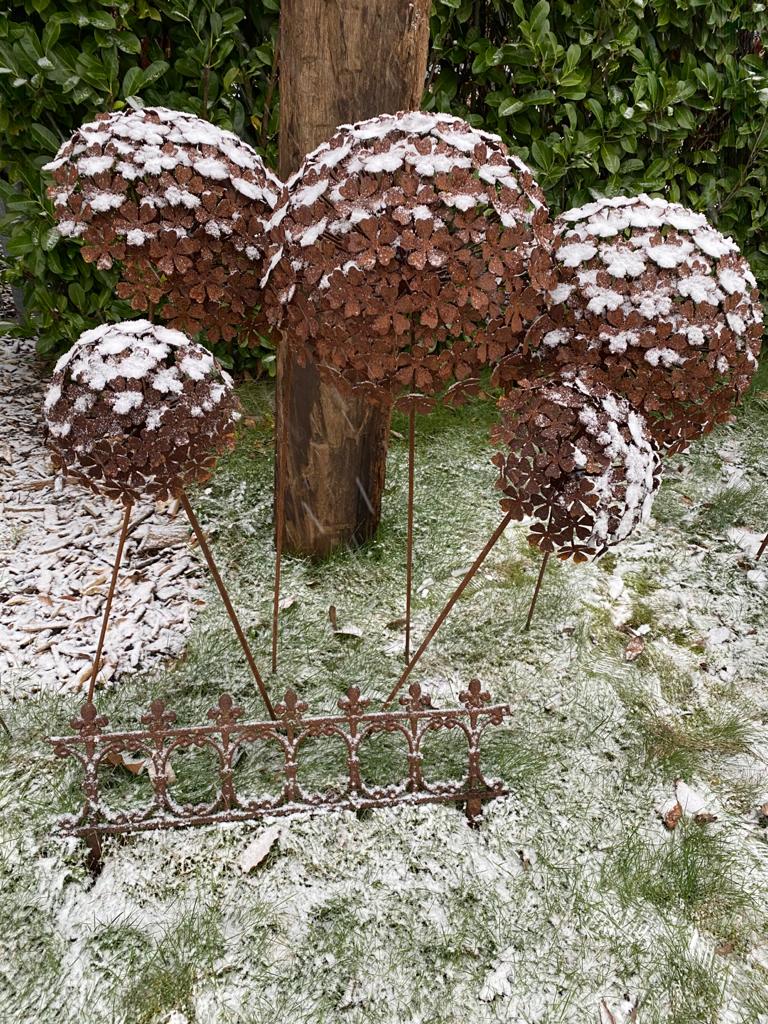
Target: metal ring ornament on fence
point(137, 409)
point(660, 306)
point(180, 204)
point(579, 460)
point(411, 251)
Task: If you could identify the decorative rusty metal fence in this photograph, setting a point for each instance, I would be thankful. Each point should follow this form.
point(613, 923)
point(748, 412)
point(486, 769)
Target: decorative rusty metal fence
point(228, 737)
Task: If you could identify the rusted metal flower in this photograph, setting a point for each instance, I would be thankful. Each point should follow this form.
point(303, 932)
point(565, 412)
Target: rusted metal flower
point(180, 204)
point(138, 409)
point(660, 307)
point(411, 250)
point(579, 460)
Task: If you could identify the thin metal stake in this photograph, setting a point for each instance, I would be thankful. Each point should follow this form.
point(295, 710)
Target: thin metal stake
point(537, 588)
point(762, 548)
point(108, 605)
point(451, 602)
point(409, 543)
point(280, 443)
point(227, 603)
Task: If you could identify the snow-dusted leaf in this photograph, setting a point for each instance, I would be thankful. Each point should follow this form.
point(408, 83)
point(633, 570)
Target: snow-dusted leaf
point(348, 631)
point(258, 849)
point(670, 813)
point(634, 648)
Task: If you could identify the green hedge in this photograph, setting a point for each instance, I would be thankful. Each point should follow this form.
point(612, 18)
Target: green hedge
point(600, 96)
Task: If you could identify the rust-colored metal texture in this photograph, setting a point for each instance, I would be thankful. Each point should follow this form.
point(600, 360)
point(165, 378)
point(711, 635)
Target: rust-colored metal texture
point(227, 601)
point(108, 603)
point(579, 460)
point(412, 250)
point(136, 409)
point(181, 205)
point(229, 737)
point(658, 305)
point(466, 580)
point(536, 591)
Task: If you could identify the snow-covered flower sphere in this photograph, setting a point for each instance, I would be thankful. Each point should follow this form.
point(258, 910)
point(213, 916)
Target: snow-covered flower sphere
point(180, 204)
point(414, 250)
point(659, 305)
point(579, 460)
point(135, 409)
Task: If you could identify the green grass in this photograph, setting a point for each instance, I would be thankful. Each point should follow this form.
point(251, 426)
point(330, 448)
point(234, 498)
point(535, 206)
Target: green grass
point(682, 745)
point(733, 506)
point(162, 972)
point(692, 869)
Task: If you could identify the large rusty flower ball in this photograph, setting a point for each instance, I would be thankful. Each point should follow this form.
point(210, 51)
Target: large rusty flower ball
point(414, 250)
point(180, 204)
point(134, 409)
point(659, 305)
point(579, 460)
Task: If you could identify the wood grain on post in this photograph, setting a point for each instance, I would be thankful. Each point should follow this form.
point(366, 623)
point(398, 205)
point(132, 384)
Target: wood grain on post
point(339, 63)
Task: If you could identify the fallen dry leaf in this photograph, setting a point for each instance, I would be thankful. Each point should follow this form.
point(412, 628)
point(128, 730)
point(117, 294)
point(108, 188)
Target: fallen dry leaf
point(672, 816)
point(634, 648)
point(134, 763)
point(349, 631)
point(257, 850)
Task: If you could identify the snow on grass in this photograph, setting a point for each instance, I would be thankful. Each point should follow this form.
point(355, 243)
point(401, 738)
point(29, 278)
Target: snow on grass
point(572, 895)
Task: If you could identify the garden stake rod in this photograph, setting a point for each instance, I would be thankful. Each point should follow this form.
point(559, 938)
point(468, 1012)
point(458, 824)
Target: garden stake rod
point(280, 442)
point(536, 590)
point(227, 603)
point(451, 602)
point(762, 548)
point(110, 597)
point(409, 556)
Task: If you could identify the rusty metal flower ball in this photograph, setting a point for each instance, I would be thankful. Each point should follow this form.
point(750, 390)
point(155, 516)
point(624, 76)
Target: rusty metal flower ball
point(413, 250)
point(180, 204)
point(579, 460)
point(135, 409)
point(658, 305)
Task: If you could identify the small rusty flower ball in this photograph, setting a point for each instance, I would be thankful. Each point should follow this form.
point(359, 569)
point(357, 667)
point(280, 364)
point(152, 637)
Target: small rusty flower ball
point(180, 204)
point(135, 409)
point(579, 460)
point(413, 250)
point(658, 305)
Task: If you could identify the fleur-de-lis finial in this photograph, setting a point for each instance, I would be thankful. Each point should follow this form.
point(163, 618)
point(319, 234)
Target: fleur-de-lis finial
point(157, 719)
point(226, 711)
point(353, 705)
point(89, 722)
point(416, 700)
point(291, 708)
point(475, 696)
